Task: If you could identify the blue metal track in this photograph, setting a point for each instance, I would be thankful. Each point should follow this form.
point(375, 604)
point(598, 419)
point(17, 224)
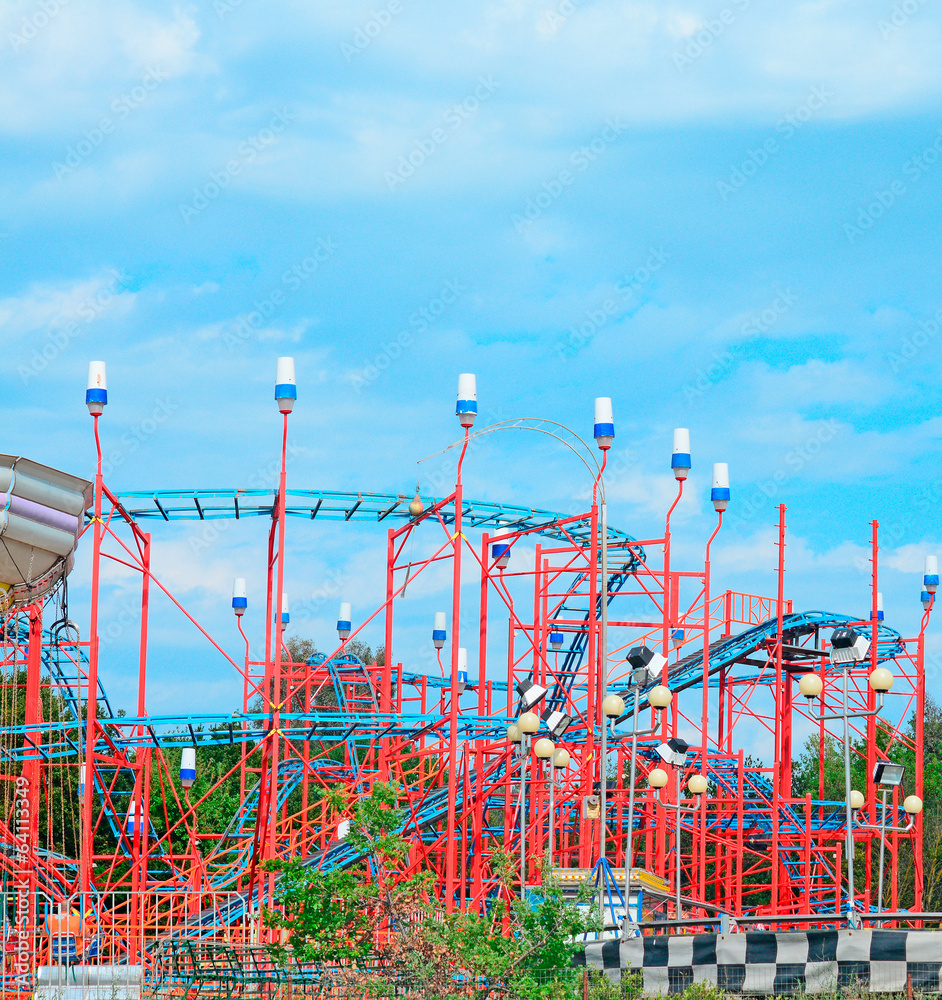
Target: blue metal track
point(331, 505)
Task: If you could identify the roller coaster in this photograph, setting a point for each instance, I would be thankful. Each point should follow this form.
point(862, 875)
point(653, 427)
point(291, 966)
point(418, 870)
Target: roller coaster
point(558, 609)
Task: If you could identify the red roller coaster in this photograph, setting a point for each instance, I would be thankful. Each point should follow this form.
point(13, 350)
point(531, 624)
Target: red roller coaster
point(97, 819)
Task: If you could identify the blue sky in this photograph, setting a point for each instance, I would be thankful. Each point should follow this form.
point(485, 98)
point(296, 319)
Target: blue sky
point(725, 217)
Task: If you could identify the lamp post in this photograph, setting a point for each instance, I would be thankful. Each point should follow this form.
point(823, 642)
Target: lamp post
point(559, 760)
point(885, 777)
point(674, 751)
point(848, 647)
point(647, 666)
point(604, 432)
point(520, 733)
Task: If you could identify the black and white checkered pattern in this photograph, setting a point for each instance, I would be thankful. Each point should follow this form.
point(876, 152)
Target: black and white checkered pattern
point(785, 962)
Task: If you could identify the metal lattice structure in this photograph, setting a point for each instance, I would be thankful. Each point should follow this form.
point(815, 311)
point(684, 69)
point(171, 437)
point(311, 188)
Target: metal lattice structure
point(750, 848)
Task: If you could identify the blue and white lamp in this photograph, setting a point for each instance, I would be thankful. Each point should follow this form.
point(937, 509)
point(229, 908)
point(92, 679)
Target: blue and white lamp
point(81, 783)
point(344, 619)
point(285, 609)
point(286, 392)
point(680, 459)
point(240, 600)
point(500, 549)
point(131, 825)
point(677, 637)
point(720, 492)
point(96, 393)
point(931, 579)
point(556, 640)
point(466, 408)
point(439, 633)
point(188, 767)
point(604, 423)
point(926, 599)
point(879, 612)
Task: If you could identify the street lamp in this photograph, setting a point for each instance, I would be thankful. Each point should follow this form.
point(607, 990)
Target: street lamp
point(886, 776)
point(674, 752)
point(604, 431)
point(647, 666)
point(544, 750)
point(526, 726)
point(558, 761)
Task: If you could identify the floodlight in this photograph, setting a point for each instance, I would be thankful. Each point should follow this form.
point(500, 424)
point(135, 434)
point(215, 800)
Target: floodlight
point(848, 646)
point(531, 693)
point(674, 751)
point(647, 666)
point(888, 775)
point(556, 722)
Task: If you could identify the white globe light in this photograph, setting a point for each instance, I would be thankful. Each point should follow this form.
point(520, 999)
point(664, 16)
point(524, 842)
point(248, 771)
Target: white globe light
point(544, 748)
point(660, 696)
point(697, 784)
point(657, 778)
point(912, 804)
point(881, 679)
point(811, 686)
point(529, 722)
point(561, 758)
point(857, 800)
point(613, 706)
point(513, 734)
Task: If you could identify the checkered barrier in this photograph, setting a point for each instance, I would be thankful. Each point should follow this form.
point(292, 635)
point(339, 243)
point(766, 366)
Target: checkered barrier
point(785, 962)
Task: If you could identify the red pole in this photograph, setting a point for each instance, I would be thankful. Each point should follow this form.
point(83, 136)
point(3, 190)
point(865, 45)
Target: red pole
point(451, 859)
point(91, 698)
